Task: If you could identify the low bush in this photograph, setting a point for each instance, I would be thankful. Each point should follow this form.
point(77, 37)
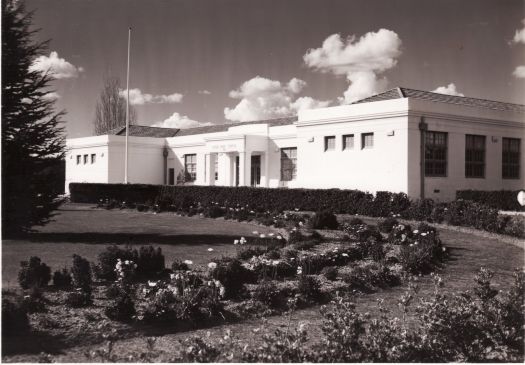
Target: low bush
point(231, 274)
point(500, 199)
point(309, 288)
point(33, 273)
point(107, 259)
point(387, 224)
point(122, 309)
point(247, 252)
point(35, 301)
point(179, 265)
point(62, 279)
point(14, 316)
point(330, 273)
point(369, 275)
point(78, 299)
point(81, 273)
point(214, 211)
point(324, 220)
point(423, 253)
point(400, 234)
point(355, 222)
point(269, 294)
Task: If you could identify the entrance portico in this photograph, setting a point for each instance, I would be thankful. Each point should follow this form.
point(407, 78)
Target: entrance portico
point(230, 163)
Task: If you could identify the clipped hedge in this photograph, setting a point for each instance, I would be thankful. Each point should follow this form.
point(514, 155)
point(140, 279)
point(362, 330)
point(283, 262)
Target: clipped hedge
point(498, 199)
point(263, 199)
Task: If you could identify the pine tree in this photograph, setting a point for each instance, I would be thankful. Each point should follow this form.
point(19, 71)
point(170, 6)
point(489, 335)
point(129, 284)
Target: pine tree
point(32, 136)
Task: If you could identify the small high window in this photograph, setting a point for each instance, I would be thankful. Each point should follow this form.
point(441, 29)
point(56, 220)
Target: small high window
point(474, 156)
point(510, 158)
point(348, 142)
point(93, 158)
point(86, 159)
point(79, 159)
point(367, 140)
point(190, 166)
point(436, 154)
point(288, 163)
point(329, 143)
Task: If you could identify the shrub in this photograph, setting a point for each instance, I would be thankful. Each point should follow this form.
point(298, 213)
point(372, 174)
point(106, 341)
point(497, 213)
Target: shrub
point(79, 298)
point(34, 302)
point(214, 212)
point(387, 224)
point(33, 273)
point(247, 252)
point(14, 316)
point(324, 220)
point(107, 260)
point(367, 276)
point(400, 234)
point(122, 309)
point(355, 222)
point(295, 236)
point(330, 273)
point(62, 279)
point(514, 226)
point(309, 287)
point(268, 293)
point(232, 275)
point(179, 265)
point(150, 262)
point(501, 199)
point(423, 253)
point(81, 272)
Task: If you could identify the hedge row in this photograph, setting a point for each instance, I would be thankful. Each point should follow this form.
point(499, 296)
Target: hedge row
point(501, 199)
point(262, 199)
point(383, 204)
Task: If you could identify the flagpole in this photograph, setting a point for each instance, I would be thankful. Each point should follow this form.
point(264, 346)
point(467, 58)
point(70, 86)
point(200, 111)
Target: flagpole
point(127, 112)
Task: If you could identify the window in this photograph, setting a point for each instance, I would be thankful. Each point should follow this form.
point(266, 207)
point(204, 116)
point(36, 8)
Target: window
point(190, 167)
point(288, 163)
point(367, 140)
point(474, 156)
point(511, 158)
point(436, 154)
point(216, 167)
point(93, 158)
point(329, 143)
point(348, 142)
point(78, 159)
point(85, 159)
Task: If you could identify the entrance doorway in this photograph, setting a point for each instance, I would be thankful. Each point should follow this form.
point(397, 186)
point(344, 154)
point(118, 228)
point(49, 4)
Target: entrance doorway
point(256, 171)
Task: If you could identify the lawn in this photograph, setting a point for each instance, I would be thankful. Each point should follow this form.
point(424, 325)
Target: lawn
point(80, 229)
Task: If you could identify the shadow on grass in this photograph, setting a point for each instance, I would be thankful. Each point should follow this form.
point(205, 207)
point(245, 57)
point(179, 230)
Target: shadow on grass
point(129, 238)
point(32, 342)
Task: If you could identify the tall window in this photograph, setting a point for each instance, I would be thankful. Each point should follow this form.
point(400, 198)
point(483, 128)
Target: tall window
point(93, 158)
point(79, 158)
point(436, 154)
point(190, 166)
point(511, 158)
point(85, 159)
point(329, 143)
point(288, 163)
point(367, 140)
point(474, 156)
point(216, 167)
point(348, 142)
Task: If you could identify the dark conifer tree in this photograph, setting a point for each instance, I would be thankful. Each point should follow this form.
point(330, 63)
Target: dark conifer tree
point(32, 136)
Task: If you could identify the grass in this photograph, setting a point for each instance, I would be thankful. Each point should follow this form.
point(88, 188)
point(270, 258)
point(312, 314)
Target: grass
point(468, 253)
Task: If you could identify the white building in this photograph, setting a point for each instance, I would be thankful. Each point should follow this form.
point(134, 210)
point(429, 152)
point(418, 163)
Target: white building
point(373, 145)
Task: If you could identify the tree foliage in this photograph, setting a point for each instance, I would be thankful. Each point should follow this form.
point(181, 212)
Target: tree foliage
point(110, 111)
point(32, 135)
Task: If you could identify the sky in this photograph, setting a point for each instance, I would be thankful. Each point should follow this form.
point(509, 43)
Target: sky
point(198, 62)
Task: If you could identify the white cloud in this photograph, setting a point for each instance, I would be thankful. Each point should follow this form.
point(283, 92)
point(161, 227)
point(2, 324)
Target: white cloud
point(137, 97)
point(519, 72)
point(179, 121)
point(519, 36)
point(51, 96)
point(359, 60)
point(448, 90)
point(262, 98)
point(204, 92)
point(57, 67)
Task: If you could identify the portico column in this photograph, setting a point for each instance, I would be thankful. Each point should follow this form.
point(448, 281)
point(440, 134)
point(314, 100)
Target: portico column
point(242, 168)
point(266, 169)
point(209, 176)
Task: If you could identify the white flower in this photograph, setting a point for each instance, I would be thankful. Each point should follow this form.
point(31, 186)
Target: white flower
point(423, 234)
point(210, 249)
point(236, 242)
point(344, 254)
point(271, 234)
point(299, 270)
point(212, 265)
point(172, 276)
point(279, 237)
point(222, 291)
point(188, 262)
point(152, 283)
point(301, 223)
point(416, 231)
point(415, 243)
point(126, 262)
point(262, 235)
point(411, 245)
point(255, 232)
point(444, 249)
point(296, 209)
point(275, 262)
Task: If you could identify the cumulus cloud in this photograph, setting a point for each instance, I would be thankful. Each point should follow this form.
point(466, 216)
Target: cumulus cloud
point(262, 98)
point(448, 90)
point(519, 72)
point(360, 60)
point(519, 36)
point(57, 67)
point(177, 120)
point(137, 97)
point(204, 92)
